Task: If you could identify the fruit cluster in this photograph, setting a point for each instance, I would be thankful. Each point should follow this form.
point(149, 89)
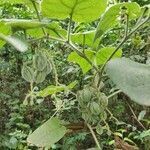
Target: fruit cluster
point(92, 105)
point(37, 70)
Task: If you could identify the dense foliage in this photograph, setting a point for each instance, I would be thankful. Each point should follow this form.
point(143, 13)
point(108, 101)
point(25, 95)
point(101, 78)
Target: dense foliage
point(74, 74)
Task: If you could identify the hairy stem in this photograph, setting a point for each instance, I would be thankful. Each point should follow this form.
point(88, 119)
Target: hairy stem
point(94, 136)
point(135, 117)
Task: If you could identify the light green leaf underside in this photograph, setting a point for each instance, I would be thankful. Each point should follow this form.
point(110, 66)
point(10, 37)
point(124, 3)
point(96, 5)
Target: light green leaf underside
point(17, 43)
point(53, 29)
point(23, 24)
point(111, 17)
point(81, 10)
point(132, 78)
point(47, 134)
point(84, 38)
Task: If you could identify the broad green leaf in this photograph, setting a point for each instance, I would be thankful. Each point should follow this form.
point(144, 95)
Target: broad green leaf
point(110, 17)
point(85, 66)
point(81, 10)
point(20, 24)
point(47, 134)
point(52, 89)
point(15, 42)
point(103, 54)
point(84, 38)
point(98, 58)
point(53, 29)
point(4, 29)
point(132, 78)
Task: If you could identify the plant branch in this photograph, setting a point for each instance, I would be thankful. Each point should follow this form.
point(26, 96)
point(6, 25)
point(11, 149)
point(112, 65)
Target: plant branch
point(55, 72)
point(135, 117)
point(94, 136)
point(69, 29)
point(113, 94)
point(126, 37)
point(111, 115)
point(81, 54)
point(38, 15)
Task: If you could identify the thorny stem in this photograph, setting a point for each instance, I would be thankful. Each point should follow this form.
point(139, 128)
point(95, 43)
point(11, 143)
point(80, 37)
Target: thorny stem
point(94, 136)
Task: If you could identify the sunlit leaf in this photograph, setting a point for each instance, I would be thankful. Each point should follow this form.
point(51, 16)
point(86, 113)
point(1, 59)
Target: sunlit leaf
point(84, 38)
point(85, 66)
point(111, 17)
point(81, 10)
point(104, 53)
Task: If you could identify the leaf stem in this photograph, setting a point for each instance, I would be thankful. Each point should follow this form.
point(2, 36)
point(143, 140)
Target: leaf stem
point(135, 117)
point(113, 94)
point(111, 115)
point(38, 15)
point(81, 54)
point(69, 29)
point(55, 72)
point(94, 136)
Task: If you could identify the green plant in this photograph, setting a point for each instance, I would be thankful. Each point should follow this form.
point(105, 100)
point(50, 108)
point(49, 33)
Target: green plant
point(75, 28)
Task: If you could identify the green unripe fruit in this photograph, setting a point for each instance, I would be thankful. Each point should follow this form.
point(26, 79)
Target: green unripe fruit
point(48, 68)
point(86, 117)
point(84, 96)
point(40, 77)
point(99, 129)
point(103, 100)
point(94, 108)
point(40, 61)
point(103, 115)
